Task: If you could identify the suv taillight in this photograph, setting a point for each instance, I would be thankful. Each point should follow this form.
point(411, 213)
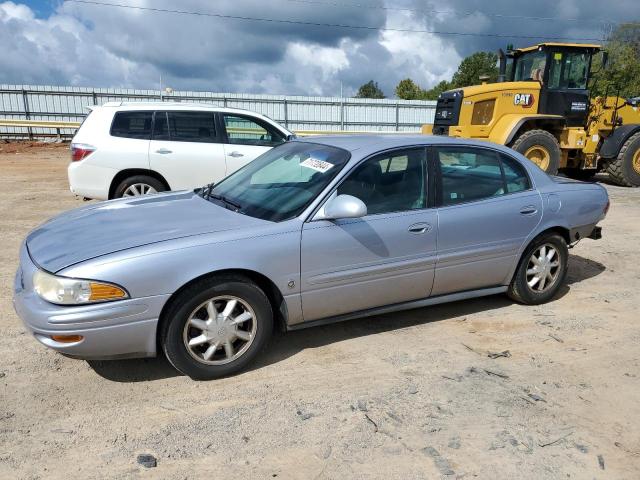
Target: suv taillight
point(80, 151)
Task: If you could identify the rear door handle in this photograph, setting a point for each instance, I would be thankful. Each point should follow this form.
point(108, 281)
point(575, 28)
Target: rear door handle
point(163, 151)
point(419, 228)
point(528, 210)
point(236, 154)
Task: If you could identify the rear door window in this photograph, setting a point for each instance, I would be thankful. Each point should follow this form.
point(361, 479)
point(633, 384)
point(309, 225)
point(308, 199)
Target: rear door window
point(469, 174)
point(242, 130)
point(196, 127)
point(192, 127)
point(132, 125)
point(515, 175)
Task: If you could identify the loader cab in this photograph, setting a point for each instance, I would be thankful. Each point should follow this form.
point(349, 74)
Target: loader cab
point(563, 72)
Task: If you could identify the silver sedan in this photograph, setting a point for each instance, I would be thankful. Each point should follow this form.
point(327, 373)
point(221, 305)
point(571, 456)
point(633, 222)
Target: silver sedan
point(314, 231)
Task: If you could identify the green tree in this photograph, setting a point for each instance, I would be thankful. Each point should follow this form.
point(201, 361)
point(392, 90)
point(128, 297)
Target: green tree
point(433, 93)
point(407, 89)
point(474, 66)
point(623, 69)
point(370, 90)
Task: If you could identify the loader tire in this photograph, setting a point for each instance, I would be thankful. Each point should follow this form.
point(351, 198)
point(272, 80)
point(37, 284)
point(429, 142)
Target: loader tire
point(625, 168)
point(540, 147)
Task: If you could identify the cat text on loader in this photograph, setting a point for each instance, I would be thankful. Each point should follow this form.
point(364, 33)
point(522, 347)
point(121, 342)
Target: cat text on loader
point(542, 109)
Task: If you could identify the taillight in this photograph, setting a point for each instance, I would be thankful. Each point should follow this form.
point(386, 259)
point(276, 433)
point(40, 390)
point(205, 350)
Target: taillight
point(80, 151)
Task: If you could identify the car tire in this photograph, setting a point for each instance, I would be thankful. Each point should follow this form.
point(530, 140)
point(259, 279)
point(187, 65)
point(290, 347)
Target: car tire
point(541, 148)
point(144, 184)
point(195, 337)
point(625, 168)
point(524, 288)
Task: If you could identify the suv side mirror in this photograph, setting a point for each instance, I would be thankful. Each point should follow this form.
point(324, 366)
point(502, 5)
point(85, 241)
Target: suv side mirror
point(342, 206)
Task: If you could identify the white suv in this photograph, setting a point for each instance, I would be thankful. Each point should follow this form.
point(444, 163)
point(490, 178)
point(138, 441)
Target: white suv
point(127, 149)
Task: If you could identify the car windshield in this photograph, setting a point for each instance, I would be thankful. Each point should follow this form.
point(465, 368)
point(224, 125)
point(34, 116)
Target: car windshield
point(279, 184)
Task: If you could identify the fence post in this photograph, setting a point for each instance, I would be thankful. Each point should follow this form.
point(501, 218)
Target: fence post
point(397, 116)
point(341, 114)
point(25, 102)
point(224, 102)
point(94, 97)
point(286, 114)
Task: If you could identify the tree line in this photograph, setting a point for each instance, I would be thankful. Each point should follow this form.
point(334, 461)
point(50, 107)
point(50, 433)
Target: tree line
point(621, 75)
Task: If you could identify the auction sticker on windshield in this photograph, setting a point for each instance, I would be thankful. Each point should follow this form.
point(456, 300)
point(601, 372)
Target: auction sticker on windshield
point(318, 165)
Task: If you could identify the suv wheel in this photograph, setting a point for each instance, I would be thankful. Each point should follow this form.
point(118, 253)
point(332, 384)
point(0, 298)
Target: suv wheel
point(216, 327)
point(541, 271)
point(138, 185)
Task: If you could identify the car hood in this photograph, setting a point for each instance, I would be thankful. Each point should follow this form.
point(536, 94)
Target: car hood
point(109, 227)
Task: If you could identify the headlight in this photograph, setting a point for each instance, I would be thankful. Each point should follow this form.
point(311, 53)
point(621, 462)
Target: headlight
point(69, 291)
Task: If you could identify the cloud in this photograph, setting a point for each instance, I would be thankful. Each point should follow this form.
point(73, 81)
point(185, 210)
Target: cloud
point(89, 45)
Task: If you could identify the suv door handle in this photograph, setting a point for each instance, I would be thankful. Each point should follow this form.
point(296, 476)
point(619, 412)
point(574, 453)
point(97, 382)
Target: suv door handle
point(163, 151)
point(236, 154)
point(419, 228)
point(528, 210)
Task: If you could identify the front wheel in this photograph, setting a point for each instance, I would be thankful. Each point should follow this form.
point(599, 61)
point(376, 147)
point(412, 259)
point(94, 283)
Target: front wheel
point(216, 327)
point(541, 271)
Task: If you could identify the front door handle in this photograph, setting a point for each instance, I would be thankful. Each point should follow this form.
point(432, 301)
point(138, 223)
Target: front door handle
point(528, 210)
point(236, 154)
point(419, 228)
point(163, 151)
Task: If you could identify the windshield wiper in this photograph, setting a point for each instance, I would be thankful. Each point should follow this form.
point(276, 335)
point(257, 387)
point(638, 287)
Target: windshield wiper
point(224, 199)
point(205, 191)
point(207, 194)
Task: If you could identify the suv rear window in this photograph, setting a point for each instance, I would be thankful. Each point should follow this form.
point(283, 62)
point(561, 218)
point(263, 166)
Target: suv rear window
point(132, 125)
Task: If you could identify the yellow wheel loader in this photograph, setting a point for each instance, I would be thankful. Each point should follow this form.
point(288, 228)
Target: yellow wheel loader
point(541, 107)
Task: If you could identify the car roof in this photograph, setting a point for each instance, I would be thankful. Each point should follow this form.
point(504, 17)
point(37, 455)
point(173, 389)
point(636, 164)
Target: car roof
point(175, 106)
point(383, 142)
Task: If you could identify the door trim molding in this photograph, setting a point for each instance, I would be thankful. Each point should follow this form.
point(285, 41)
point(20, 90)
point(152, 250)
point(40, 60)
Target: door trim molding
point(425, 302)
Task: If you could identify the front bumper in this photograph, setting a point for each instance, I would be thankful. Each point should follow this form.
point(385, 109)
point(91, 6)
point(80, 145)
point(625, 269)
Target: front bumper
point(121, 329)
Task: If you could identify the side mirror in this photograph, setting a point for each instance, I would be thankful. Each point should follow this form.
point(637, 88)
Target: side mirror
point(343, 206)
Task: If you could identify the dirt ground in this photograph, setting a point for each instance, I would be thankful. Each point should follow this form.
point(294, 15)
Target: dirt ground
point(411, 395)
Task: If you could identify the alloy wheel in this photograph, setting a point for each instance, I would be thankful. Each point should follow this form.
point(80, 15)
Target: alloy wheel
point(138, 189)
point(220, 330)
point(543, 268)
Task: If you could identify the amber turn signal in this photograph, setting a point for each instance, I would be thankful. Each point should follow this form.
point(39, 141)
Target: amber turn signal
point(102, 291)
point(67, 338)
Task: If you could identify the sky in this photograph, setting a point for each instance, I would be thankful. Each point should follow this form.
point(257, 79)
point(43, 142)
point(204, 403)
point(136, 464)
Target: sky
point(63, 42)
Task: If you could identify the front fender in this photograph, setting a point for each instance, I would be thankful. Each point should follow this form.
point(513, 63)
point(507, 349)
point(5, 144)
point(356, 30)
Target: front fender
point(614, 142)
point(507, 127)
point(164, 267)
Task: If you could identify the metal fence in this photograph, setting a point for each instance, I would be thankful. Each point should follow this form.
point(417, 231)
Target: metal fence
point(69, 104)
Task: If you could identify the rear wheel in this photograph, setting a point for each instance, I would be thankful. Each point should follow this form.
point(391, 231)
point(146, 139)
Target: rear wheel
point(541, 148)
point(541, 271)
point(138, 185)
point(216, 327)
point(625, 168)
